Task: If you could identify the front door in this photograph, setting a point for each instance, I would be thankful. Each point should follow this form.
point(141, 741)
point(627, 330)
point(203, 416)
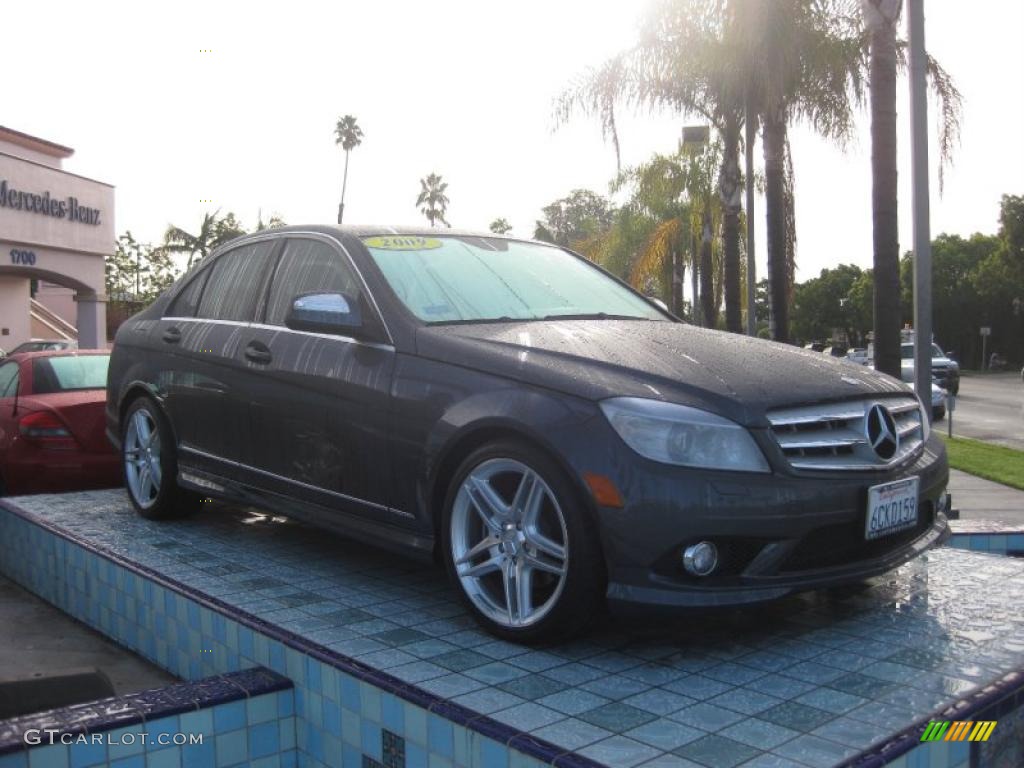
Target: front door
point(319, 401)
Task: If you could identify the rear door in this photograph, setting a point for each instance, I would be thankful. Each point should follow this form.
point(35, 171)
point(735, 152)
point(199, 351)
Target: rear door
point(319, 406)
point(200, 371)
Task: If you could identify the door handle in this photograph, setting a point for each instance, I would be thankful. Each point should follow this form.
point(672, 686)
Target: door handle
point(172, 335)
point(257, 353)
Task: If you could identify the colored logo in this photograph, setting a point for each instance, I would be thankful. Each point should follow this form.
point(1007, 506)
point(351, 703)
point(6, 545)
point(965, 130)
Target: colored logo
point(958, 730)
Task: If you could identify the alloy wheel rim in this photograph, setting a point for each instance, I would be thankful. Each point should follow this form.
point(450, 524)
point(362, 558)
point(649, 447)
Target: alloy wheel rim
point(142, 458)
point(509, 543)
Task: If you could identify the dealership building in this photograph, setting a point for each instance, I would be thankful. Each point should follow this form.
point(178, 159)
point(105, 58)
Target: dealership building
point(56, 228)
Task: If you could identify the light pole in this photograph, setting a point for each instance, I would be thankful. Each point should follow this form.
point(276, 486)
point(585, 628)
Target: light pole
point(919, 178)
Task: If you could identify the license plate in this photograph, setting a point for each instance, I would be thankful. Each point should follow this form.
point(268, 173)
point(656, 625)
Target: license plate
point(892, 508)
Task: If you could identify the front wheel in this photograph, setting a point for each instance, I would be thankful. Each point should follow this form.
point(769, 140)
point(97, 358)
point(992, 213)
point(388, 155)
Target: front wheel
point(150, 463)
point(520, 546)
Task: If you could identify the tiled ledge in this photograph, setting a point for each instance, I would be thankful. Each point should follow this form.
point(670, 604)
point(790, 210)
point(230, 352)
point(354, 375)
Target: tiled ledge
point(255, 706)
point(386, 664)
point(988, 536)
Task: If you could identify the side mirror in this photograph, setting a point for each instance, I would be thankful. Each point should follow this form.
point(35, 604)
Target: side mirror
point(659, 302)
point(325, 313)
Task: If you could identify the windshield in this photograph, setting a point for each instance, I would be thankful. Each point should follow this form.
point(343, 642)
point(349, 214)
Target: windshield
point(67, 374)
point(478, 279)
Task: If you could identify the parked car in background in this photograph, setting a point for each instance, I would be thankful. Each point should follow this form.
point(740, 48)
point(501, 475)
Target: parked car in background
point(44, 345)
point(835, 351)
point(52, 435)
point(938, 402)
point(945, 370)
point(553, 437)
point(859, 356)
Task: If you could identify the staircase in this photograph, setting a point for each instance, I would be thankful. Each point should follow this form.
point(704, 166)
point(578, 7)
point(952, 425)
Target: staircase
point(60, 328)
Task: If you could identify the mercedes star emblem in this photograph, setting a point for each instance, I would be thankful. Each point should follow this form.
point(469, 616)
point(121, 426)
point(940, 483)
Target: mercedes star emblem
point(881, 432)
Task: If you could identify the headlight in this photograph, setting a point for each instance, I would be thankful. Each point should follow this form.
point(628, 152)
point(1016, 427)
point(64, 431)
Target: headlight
point(678, 434)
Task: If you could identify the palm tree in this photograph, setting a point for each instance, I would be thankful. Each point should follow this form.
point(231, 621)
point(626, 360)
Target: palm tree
point(349, 135)
point(500, 226)
point(432, 201)
point(880, 19)
point(712, 58)
point(213, 232)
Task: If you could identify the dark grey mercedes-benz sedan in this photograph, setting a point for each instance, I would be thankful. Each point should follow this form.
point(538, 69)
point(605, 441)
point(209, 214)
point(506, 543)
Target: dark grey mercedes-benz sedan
point(555, 438)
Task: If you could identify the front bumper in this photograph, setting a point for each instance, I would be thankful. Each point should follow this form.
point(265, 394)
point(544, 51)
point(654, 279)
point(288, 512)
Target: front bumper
point(776, 534)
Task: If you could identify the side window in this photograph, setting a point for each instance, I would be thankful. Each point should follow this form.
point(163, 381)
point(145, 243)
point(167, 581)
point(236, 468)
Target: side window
point(308, 266)
point(186, 302)
point(8, 379)
point(234, 283)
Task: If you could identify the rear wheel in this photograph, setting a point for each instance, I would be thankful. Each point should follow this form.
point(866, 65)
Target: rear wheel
point(150, 463)
point(520, 547)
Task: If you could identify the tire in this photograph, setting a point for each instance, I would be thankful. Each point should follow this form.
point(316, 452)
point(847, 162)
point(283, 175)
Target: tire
point(160, 498)
point(938, 413)
point(541, 538)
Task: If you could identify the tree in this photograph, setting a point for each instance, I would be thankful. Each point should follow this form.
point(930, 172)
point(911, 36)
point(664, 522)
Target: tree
point(349, 135)
point(579, 216)
point(274, 222)
point(432, 200)
point(714, 58)
point(823, 305)
point(213, 231)
point(138, 270)
point(500, 226)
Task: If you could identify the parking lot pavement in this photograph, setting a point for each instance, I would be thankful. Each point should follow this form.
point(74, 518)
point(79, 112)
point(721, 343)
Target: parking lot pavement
point(980, 499)
point(990, 408)
point(38, 639)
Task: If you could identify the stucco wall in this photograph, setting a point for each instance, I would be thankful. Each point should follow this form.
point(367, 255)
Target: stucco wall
point(14, 298)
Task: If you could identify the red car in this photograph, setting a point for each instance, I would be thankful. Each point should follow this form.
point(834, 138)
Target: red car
point(52, 435)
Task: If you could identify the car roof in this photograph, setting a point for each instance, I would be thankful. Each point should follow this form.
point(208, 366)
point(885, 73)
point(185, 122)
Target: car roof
point(19, 356)
point(370, 230)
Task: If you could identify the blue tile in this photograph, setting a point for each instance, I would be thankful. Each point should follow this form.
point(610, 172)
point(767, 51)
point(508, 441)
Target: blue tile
point(169, 757)
point(392, 713)
point(232, 747)
point(84, 755)
point(492, 754)
point(439, 735)
point(415, 755)
point(370, 736)
point(50, 756)
point(229, 717)
point(136, 761)
point(332, 717)
point(264, 740)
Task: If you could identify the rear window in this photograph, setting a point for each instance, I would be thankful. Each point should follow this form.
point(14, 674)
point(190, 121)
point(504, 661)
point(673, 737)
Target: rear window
point(69, 374)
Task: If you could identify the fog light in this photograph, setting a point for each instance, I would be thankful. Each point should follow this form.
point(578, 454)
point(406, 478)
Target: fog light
point(700, 559)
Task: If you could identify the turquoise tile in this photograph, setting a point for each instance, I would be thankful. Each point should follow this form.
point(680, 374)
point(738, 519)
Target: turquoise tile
point(136, 761)
point(229, 717)
point(351, 727)
point(369, 701)
point(332, 717)
point(415, 723)
point(264, 740)
point(168, 757)
point(85, 755)
point(125, 742)
point(286, 732)
point(392, 713)
point(49, 756)
point(232, 747)
point(492, 754)
point(370, 738)
point(16, 760)
point(440, 737)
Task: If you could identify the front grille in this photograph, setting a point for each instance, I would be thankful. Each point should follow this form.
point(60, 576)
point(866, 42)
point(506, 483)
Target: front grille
point(834, 436)
point(844, 543)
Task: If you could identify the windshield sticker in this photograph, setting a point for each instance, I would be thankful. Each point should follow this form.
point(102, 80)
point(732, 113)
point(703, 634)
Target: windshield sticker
point(402, 243)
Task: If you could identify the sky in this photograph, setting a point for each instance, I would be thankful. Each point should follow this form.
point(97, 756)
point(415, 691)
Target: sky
point(191, 107)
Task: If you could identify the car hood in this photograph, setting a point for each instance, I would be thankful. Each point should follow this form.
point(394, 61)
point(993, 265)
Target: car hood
point(736, 376)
